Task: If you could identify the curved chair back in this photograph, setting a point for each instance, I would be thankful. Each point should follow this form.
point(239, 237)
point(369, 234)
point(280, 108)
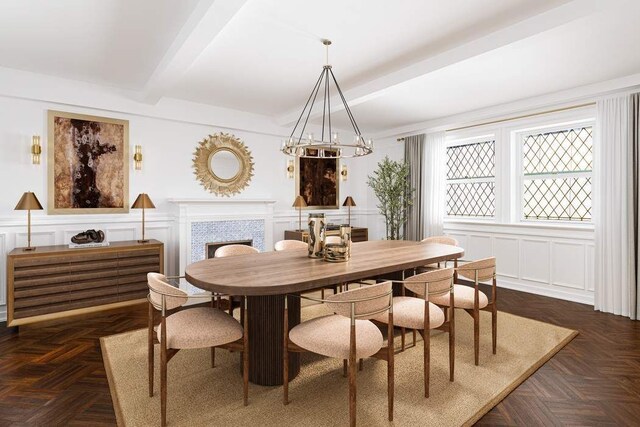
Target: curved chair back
point(443, 240)
point(232, 250)
point(434, 282)
point(485, 268)
point(288, 245)
point(368, 301)
point(160, 289)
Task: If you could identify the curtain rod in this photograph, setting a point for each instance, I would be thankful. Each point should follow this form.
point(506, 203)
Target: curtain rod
point(524, 116)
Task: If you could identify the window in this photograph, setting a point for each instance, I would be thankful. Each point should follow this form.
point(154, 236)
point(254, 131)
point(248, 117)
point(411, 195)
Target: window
point(556, 174)
point(471, 179)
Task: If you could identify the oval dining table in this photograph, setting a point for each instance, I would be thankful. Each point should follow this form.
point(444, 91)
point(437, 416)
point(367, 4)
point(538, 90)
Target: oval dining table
point(266, 279)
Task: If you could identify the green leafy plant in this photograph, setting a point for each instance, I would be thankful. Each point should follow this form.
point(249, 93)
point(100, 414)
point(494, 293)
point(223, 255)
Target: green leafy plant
point(394, 192)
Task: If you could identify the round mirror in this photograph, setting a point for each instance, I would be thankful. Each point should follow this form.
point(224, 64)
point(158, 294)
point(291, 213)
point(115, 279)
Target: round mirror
point(224, 164)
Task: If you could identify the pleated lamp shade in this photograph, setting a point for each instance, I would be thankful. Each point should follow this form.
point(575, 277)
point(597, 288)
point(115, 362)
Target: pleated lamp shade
point(143, 202)
point(349, 201)
point(299, 202)
point(28, 201)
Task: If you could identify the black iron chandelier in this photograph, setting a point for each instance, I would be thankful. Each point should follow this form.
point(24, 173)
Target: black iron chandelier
point(329, 144)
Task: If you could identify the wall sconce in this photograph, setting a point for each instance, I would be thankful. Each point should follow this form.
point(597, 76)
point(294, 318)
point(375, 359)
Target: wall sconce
point(343, 172)
point(290, 169)
point(137, 157)
point(36, 149)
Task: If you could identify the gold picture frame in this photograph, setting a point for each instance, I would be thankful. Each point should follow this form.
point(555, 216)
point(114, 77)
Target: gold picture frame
point(88, 164)
point(318, 181)
point(233, 158)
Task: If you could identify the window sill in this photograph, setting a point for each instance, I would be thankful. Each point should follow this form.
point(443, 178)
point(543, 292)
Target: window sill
point(522, 224)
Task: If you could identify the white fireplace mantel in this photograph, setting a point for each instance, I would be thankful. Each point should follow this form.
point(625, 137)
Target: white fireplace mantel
point(189, 211)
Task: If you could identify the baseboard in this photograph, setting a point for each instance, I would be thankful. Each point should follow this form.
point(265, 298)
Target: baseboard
point(582, 298)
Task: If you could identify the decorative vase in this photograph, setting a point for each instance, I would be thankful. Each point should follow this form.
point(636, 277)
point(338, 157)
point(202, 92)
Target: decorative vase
point(316, 235)
point(345, 237)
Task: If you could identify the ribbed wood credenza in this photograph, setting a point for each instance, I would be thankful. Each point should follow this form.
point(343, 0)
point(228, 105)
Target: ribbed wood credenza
point(56, 281)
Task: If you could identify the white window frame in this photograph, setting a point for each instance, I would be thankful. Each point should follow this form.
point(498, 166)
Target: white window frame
point(454, 142)
point(518, 137)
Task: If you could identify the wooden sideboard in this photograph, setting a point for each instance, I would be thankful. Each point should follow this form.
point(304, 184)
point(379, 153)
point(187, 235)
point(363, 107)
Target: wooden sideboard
point(55, 281)
point(358, 234)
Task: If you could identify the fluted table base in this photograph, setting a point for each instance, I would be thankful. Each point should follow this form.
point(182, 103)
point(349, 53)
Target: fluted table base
point(266, 327)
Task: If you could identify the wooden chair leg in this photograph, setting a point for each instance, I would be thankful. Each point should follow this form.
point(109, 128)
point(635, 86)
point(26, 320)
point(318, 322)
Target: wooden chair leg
point(390, 366)
point(151, 349)
point(452, 344)
point(285, 358)
point(476, 336)
point(494, 327)
point(163, 374)
point(213, 357)
point(427, 360)
point(352, 384)
point(414, 337)
point(322, 293)
point(344, 368)
point(245, 356)
point(402, 337)
point(360, 364)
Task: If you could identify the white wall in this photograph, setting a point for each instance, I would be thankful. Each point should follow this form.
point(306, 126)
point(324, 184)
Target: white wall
point(167, 145)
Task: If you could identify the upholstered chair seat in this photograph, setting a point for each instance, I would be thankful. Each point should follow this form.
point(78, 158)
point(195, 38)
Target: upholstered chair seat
point(408, 312)
point(463, 297)
point(200, 327)
point(329, 336)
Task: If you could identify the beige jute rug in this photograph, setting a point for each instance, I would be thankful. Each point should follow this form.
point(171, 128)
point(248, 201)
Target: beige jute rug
point(201, 396)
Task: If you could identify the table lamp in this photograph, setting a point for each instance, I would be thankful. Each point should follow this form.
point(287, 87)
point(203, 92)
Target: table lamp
point(143, 202)
point(348, 202)
point(299, 203)
point(28, 202)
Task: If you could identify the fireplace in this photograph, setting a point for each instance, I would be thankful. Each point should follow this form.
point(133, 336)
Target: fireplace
point(210, 248)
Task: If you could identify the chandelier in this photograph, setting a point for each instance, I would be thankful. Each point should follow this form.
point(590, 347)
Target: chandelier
point(300, 144)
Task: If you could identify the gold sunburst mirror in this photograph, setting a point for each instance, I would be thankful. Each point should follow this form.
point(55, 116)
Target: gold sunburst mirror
point(223, 164)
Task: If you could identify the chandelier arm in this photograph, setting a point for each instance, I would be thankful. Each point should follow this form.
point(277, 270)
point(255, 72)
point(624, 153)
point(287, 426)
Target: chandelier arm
point(324, 107)
point(329, 108)
point(312, 104)
point(305, 105)
point(346, 106)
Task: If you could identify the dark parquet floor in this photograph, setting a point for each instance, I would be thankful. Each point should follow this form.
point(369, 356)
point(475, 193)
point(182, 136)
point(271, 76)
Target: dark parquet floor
point(53, 374)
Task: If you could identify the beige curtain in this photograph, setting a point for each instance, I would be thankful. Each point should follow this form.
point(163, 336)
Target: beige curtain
point(414, 155)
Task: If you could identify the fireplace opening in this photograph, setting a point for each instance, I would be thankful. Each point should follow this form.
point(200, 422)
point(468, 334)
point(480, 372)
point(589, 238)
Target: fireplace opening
point(210, 248)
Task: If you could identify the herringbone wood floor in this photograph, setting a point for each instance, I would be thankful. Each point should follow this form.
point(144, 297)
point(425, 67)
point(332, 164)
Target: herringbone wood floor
point(53, 375)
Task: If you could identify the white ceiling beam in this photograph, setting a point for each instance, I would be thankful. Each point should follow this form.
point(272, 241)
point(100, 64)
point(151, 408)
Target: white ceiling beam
point(205, 22)
point(507, 35)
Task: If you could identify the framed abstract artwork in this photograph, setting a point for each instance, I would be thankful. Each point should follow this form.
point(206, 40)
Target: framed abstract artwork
point(317, 181)
point(88, 164)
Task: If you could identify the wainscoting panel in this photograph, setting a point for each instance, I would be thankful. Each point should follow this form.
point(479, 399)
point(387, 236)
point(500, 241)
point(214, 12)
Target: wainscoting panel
point(555, 261)
point(507, 250)
point(562, 255)
point(534, 260)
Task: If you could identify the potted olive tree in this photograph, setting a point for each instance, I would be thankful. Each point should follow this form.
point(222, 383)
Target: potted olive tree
point(394, 192)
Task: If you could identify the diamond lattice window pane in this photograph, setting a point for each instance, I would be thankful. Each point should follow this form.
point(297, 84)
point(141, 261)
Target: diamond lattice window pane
point(566, 199)
point(471, 199)
point(471, 160)
point(568, 150)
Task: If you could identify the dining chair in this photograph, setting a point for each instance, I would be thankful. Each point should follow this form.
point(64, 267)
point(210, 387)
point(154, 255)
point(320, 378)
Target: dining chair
point(472, 300)
point(348, 334)
point(419, 313)
point(233, 250)
point(288, 245)
point(190, 328)
point(443, 240)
